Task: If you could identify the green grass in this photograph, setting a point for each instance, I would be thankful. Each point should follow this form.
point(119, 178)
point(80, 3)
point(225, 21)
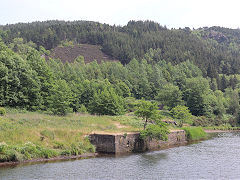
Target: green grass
point(56, 135)
point(194, 133)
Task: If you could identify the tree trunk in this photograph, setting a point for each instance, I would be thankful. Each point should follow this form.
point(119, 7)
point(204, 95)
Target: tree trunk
point(145, 124)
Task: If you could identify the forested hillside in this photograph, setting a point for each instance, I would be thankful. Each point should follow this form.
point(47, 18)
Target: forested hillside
point(178, 67)
point(215, 48)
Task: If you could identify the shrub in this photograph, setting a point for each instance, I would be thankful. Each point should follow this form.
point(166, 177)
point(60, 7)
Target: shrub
point(58, 145)
point(182, 113)
point(66, 152)
point(88, 146)
point(77, 149)
point(2, 111)
point(48, 153)
point(24, 152)
point(204, 121)
point(3, 147)
point(155, 131)
point(131, 104)
point(82, 109)
point(194, 133)
point(30, 150)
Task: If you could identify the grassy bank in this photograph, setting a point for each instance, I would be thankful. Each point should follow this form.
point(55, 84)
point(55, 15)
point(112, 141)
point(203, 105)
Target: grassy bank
point(30, 135)
point(194, 133)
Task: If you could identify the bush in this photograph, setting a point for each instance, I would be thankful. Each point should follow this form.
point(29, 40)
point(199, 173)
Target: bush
point(82, 109)
point(48, 153)
point(2, 111)
point(66, 152)
point(29, 151)
point(131, 104)
point(194, 133)
point(81, 147)
point(24, 152)
point(182, 113)
point(156, 131)
point(204, 121)
point(3, 147)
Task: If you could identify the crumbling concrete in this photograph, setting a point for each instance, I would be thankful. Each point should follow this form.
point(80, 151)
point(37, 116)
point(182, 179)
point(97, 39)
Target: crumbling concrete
point(130, 142)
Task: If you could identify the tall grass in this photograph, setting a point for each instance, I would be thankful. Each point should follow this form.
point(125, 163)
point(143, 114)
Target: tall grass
point(194, 133)
point(55, 135)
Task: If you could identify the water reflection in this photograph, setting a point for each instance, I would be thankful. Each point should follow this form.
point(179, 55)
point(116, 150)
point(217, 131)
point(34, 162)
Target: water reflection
point(152, 159)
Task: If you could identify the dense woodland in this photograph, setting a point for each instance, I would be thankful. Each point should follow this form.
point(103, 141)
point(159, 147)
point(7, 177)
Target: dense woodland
point(215, 47)
point(178, 67)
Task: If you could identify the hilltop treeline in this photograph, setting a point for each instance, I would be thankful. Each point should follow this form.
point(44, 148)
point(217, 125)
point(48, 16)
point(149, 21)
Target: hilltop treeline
point(29, 81)
point(211, 49)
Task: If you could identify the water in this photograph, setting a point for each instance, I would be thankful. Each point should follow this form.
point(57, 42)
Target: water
point(217, 158)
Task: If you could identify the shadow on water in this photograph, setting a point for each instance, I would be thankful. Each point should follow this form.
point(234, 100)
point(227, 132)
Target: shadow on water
point(153, 158)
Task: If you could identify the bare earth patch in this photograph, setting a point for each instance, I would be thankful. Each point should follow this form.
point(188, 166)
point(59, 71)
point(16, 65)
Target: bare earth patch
point(89, 52)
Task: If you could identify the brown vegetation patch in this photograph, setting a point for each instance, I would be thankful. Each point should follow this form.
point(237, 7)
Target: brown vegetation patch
point(89, 52)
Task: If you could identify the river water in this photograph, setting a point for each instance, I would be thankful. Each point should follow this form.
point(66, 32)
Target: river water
point(216, 158)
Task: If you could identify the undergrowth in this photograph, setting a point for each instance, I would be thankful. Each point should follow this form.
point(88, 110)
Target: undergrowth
point(194, 133)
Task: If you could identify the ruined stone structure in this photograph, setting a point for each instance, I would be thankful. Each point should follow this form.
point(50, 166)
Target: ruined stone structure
point(130, 142)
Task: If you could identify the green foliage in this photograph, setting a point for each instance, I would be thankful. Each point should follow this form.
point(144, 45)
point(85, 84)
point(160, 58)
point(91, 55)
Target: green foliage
point(19, 84)
point(107, 102)
point(82, 109)
point(163, 69)
point(195, 95)
point(232, 101)
point(67, 43)
point(147, 111)
point(170, 95)
point(26, 151)
point(131, 104)
point(182, 114)
point(122, 89)
point(57, 133)
point(215, 121)
point(60, 98)
point(79, 148)
point(80, 59)
point(194, 133)
point(224, 127)
point(158, 131)
point(2, 111)
point(207, 47)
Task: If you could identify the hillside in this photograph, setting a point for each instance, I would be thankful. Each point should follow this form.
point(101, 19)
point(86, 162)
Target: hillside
point(191, 65)
point(89, 52)
point(215, 47)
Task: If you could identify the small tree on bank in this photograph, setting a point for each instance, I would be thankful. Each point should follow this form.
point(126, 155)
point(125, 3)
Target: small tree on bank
point(149, 113)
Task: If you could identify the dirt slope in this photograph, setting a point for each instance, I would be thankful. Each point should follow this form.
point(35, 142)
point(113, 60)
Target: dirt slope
point(89, 52)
